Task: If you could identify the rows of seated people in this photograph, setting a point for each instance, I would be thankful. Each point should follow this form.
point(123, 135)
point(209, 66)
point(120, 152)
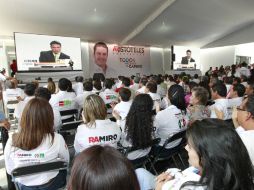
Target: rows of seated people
point(144, 108)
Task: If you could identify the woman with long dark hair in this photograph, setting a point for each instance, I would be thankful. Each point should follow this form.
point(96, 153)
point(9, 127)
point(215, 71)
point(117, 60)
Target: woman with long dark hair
point(138, 128)
point(219, 154)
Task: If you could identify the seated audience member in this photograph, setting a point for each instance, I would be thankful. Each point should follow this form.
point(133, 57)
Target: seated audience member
point(170, 81)
point(236, 80)
point(123, 107)
point(213, 80)
point(78, 86)
point(96, 130)
point(36, 83)
point(236, 97)
point(219, 108)
point(4, 127)
point(161, 86)
point(142, 85)
point(249, 89)
point(119, 81)
point(126, 82)
point(244, 123)
point(174, 118)
point(228, 82)
point(138, 127)
point(12, 92)
point(102, 168)
point(97, 88)
point(244, 80)
point(36, 137)
point(29, 91)
point(188, 95)
point(196, 79)
point(69, 84)
point(51, 86)
point(64, 99)
point(243, 70)
point(197, 109)
point(229, 159)
point(185, 84)
point(108, 95)
point(88, 90)
point(151, 89)
point(45, 93)
point(135, 86)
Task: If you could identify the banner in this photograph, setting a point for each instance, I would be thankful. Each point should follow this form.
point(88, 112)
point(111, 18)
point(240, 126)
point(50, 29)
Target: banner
point(114, 60)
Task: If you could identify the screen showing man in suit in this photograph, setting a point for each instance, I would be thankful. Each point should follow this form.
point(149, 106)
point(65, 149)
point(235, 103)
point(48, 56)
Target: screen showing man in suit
point(53, 55)
point(187, 59)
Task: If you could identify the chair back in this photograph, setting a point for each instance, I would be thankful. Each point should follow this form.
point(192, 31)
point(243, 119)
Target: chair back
point(70, 126)
point(155, 142)
point(174, 137)
point(39, 168)
point(69, 115)
point(68, 131)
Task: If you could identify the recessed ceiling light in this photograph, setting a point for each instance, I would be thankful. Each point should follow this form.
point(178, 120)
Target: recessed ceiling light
point(95, 10)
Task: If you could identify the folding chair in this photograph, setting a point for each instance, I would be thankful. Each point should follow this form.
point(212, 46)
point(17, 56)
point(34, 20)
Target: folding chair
point(68, 131)
point(10, 108)
point(36, 169)
point(143, 161)
point(73, 113)
point(161, 154)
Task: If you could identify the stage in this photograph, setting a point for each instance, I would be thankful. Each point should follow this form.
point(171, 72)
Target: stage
point(191, 72)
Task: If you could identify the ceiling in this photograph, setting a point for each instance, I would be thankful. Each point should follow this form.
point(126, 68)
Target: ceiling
point(159, 23)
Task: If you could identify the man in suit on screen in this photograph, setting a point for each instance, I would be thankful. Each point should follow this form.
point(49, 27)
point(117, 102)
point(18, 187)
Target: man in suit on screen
point(54, 54)
point(187, 59)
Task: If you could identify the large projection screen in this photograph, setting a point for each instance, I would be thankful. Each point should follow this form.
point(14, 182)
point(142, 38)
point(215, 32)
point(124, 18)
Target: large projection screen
point(34, 52)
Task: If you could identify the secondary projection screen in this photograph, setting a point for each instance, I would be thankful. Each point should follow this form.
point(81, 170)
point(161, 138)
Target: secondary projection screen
point(180, 54)
point(43, 52)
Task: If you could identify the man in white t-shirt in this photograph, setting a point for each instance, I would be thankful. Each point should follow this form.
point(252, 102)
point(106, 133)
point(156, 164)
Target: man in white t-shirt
point(123, 107)
point(219, 109)
point(135, 86)
point(11, 93)
point(63, 100)
point(236, 97)
point(29, 91)
point(109, 95)
point(78, 86)
point(243, 118)
point(142, 85)
point(88, 90)
point(151, 89)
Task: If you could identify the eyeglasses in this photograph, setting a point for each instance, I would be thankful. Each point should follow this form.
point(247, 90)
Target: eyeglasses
point(240, 109)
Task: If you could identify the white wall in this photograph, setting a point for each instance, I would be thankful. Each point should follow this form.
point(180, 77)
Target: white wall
point(156, 57)
point(85, 59)
point(3, 59)
point(245, 50)
point(167, 59)
point(215, 57)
